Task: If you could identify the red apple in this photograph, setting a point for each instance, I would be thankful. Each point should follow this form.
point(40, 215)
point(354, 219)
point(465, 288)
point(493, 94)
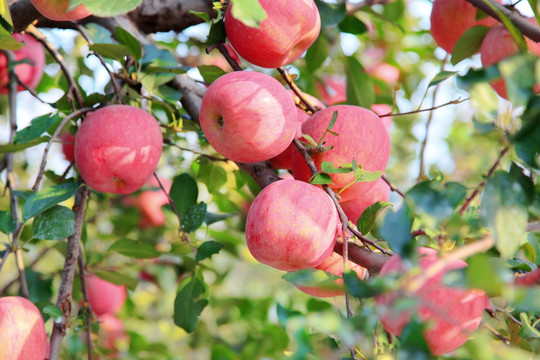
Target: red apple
point(383, 109)
point(22, 330)
point(452, 314)
point(117, 148)
point(111, 331)
point(57, 10)
point(291, 225)
point(103, 296)
point(497, 46)
point(451, 18)
point(385, 72)
point(334, 265)
point(28, 73)
point(361, 137)
point(289, 29)
point(354, 202)
point(149, 203)
point(68, 146)
point(332, 90)
point(283, 160)
point(248, 116)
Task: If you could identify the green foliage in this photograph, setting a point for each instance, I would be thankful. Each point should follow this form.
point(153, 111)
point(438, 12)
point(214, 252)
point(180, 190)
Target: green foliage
point(134, 249)
point(106, 8)
point(249, 12)
point(56, 223)
point(44, 199)
point(189, 302)
point(7, 223)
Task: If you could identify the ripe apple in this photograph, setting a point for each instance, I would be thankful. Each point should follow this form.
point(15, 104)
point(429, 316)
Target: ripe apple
point(68, 146)
point(291, 225)
point(283, 160)
point(451, 18)
point(354, 202)
point(22, 330)
point(385, 72)
point(117, 148)
point(149, 203)
point(497, 46)
point(361, 137)
point(28, 73)
point(289, 29)
point(248, 116)
point(57, 10)
point(103, 296)
point(334, 265)
point(332, 90)
point(111, 331)
point(452, 314)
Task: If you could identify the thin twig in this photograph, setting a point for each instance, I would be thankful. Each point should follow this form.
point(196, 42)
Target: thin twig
point(392, 186)
point(453, 102)
point(68, 273)
point(367, 241)
point(372, 261)
point(64, 121)
point(29, 266)
point(116, 87)
point(209, 157)
point(285, 75)
point(223, 50)
point(483, 182)
point(73, 87)
point(88, 309)
point(504, 339)
point(510, 316)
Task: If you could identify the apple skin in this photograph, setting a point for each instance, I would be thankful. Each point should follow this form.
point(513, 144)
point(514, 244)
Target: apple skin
point(497, 46)
point(334, 265)
point(111, 331)
point(385, 72)
point(354, 203)
point(68, 146)
point(22, 330)
point(451, 18)
point(28, 74)
point(103, 296)
point(453, 314)
point(383, 109)
point(117, 148)
point(291, 225)
point(332, 90)
point(248, 116)
point(283, 160)
point(289, 29)
point(362, 137)
point(149, 203)
point(56, 10)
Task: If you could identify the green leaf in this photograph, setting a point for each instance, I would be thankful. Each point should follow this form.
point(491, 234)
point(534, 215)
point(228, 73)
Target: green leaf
point(189, 303)
point(7, 223)
point(212, 175)
point(331, 14)
point(117, 278)
point(396, 230)
point(519, 76)
point(360, 90)
point(249, 12)
point(134, 249)
point(184, 192)
point(317, 54)
point(352, 25)
point(7, 41)
point(11, 148)
point(487, 273)
point(211, 218)
point(193, 218)
point(56, 223)
point(285, 314)
point(527, 330)
point(207, 249)
point(125, 38)
point(210, 73)
point(504, 213)
point(54, 312)
point(320, 179)
point(312, 277)
point(310, 140)
point(112, 51)
point(440, 77)
point(47, 198)
point(5, 17)
point(368, 218)
point(526, 139)
point(328, 168)
point(412, 342)
point(361, 175)
point(332, 122)
point(217, 33)
point(37, 127)
point(469, 43)
point(363, 289)
point(201, 14)
point(393, 11)
point(106, 8)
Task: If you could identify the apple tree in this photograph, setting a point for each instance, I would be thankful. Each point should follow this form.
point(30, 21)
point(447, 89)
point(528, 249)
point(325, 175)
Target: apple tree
point(249, 179)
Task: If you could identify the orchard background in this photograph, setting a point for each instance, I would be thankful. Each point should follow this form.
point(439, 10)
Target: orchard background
point(464, 160)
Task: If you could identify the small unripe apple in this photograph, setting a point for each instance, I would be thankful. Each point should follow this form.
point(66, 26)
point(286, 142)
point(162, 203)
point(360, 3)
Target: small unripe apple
point(332, 89)
point(28, 73)
point(451, 18)
point(103, 296)
point(57, 10)
point(291, 225)
point(452, 314)
point(289, 29)
point(117, 148)
point(248, 116)
point(22, 330)
point(497, 45)
point(354, 202)
point(333, 265)
point(361, 137)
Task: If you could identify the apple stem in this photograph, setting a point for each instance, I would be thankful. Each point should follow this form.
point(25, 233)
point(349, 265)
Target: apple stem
point(285, 75)
point(223, 50)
